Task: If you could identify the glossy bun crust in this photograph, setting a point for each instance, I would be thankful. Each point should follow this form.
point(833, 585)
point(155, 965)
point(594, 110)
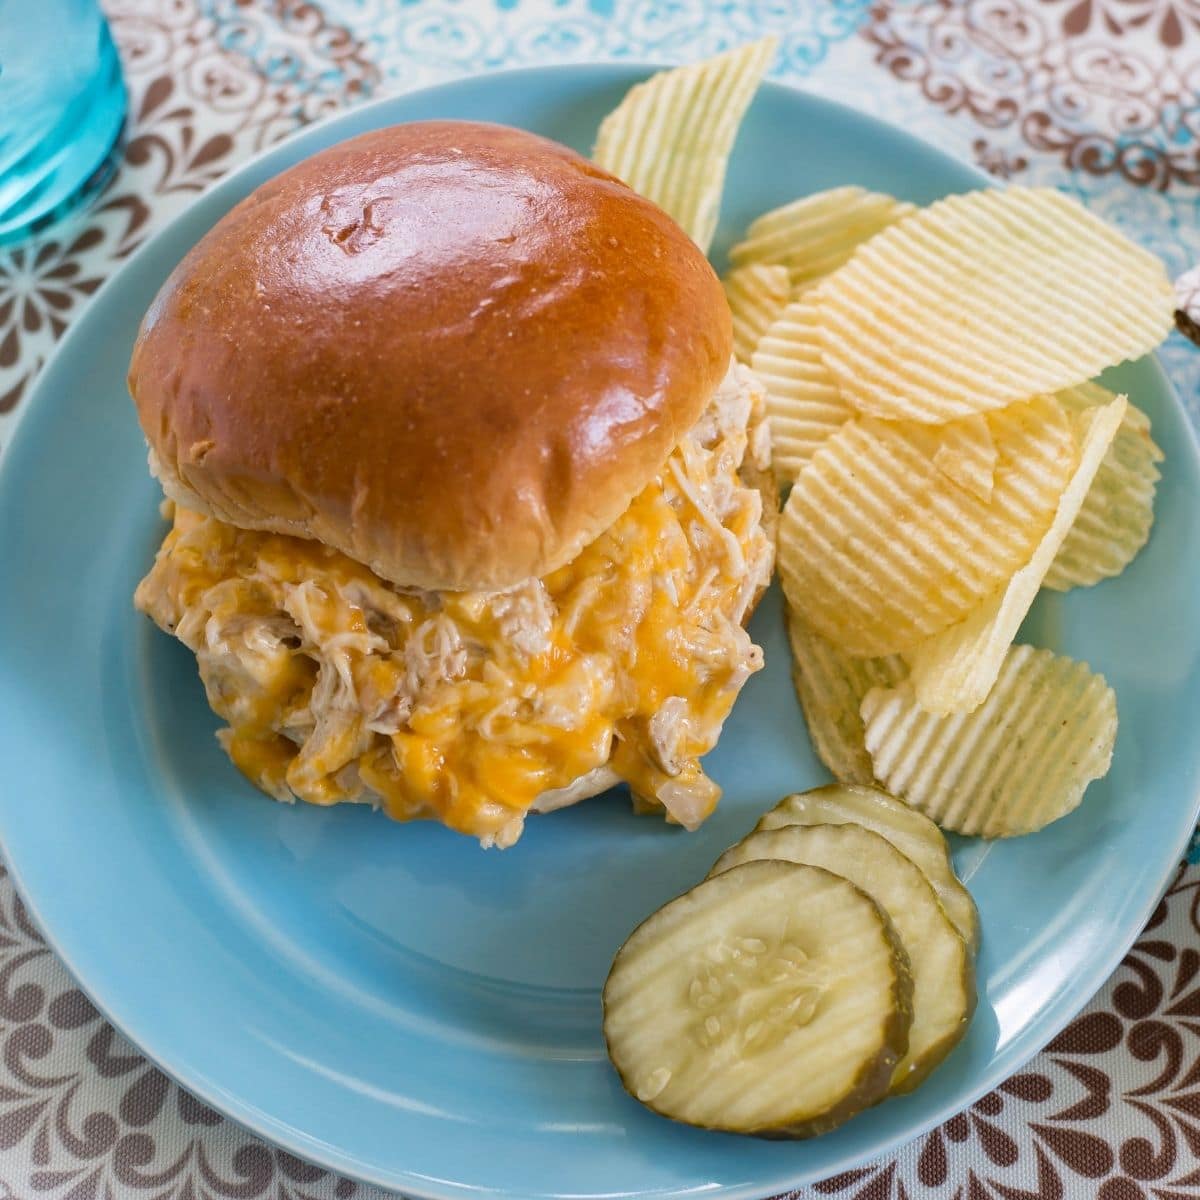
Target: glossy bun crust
point(453, 351)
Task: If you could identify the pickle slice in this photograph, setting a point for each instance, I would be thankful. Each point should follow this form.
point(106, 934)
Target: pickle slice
point(942, 972)
point(774, 999)
point(911, 832)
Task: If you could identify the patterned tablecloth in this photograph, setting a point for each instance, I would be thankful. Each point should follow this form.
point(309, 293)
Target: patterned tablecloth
point(1101, 97)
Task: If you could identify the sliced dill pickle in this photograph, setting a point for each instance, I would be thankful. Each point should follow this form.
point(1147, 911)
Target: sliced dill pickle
point(912, 833)
point(943, 974)
point(774, 999)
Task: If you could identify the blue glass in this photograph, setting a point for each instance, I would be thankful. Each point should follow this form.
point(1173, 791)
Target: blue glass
point(62, 108)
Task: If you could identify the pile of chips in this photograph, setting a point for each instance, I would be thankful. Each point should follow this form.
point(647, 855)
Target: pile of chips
point(931, 407)
point(933, 410)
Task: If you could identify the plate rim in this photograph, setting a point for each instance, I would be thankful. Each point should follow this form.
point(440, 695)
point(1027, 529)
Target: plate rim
point(1031, 1040)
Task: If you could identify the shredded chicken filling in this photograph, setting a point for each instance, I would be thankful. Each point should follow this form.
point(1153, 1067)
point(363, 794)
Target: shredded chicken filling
point(469, 707)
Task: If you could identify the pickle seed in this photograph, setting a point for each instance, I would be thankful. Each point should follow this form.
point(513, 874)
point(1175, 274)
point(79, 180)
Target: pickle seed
point(655, 1082)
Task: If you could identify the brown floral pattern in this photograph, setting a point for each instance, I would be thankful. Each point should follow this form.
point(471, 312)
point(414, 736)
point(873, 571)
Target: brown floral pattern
point(1170, 21)
point(39, 287)
point(1107, 86)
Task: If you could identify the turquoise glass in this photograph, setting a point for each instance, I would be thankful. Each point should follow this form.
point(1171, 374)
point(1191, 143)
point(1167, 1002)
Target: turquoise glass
point(62, 108)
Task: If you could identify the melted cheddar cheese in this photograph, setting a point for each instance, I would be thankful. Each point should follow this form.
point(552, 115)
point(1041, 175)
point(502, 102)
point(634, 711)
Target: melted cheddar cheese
point(473, 707)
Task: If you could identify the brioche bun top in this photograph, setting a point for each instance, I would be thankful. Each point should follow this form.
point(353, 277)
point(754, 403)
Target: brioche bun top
point(453, 351)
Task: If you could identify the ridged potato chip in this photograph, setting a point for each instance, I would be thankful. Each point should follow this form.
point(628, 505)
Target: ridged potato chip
point(1116, 518)
point(879, 550)
point(804, 406)
point(954, 671)
point(671, 137)
point(968, 455)
point(1019, 761)
point(984, 299)
point(830, 686)
point(757, 294)
point(812, 237)
point(817, 234)
point(1085, 395)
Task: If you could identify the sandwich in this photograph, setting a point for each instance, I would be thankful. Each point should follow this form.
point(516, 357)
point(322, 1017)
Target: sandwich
point(469, 502)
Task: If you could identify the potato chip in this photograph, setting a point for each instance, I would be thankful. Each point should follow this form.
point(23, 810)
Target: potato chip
point(817, 234)
point(671, 137)
point(757, 294)
point(1116, 518)
point(1085, 395)
point(879, 550)
point(968, 455)
point(984, 299)
point(804, 406)
point(954, 671)
point(1019, 761)
point(830, 686)
point(812, 236)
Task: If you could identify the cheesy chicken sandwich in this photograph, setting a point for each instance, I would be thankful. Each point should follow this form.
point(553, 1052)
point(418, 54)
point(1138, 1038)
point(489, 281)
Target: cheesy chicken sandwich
point(470, 505)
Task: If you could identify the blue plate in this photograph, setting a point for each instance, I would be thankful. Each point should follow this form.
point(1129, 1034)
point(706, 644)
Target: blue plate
point(393, 1002)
